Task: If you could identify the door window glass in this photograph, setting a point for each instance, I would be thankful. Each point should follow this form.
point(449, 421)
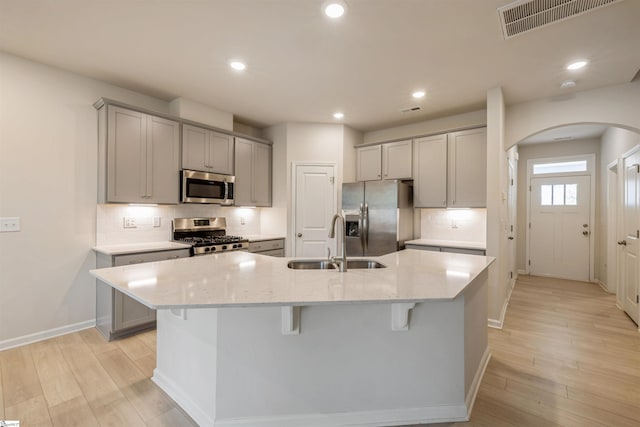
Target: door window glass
point(558, 194)
point(562, 167)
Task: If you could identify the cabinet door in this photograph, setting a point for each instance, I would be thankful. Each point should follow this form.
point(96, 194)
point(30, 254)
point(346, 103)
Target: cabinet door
point(261, 181)
point(220, 153)
point(369, 163)
point(468, 169)
point(163, 161)
point(396, 160)
point(430, 172)
point(126, 155)
point(195, 148)
point(243, 171)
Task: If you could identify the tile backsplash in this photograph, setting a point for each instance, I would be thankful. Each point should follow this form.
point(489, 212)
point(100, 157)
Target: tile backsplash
point(111, 220)
point(468, 225)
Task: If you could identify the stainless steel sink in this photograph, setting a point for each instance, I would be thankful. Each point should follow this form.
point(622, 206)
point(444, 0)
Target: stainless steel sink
point(323, 264)
point(364, 263)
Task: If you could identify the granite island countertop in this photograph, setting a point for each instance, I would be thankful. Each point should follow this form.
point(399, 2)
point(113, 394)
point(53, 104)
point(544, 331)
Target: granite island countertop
point(237, 279)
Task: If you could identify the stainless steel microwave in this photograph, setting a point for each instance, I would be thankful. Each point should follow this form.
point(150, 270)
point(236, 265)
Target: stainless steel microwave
point(205, 187)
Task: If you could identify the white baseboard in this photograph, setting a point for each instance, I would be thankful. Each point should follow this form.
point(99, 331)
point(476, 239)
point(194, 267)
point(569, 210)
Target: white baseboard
point(604, 287)
point(477, 379)
point(498, 323)
point(44, 335)
point(525, 272)
point(176, 393)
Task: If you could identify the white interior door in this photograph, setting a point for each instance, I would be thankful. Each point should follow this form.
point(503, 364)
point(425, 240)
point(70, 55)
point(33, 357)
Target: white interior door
point(631, 236)
point(315, 203)
point(560, 232)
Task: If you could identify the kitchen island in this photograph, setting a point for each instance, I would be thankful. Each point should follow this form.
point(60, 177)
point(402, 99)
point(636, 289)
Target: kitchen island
point(245, 341)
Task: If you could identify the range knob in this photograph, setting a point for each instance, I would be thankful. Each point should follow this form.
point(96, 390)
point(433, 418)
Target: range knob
point(224, 248)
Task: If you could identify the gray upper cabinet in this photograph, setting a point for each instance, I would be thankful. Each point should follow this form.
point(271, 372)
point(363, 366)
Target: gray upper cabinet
point(450, 170)
point(391, 160)
point(253, 173)
point(369, 163)
point(139, 157)
point(430, 172)
point(467, 177)
point(206, 150)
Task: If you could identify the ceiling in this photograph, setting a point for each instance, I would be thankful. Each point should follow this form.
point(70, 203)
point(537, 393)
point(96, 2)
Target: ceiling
point(567, 133)
point(302, 66)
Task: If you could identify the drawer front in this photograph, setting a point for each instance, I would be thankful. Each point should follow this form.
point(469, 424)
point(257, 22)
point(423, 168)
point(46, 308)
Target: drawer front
point(266, 245)
point(464, 251)
point(273, 252)
point(142, 257)
point(424, 247)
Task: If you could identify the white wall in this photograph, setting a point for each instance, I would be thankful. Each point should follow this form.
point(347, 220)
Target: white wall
point(614, 143)
point(429, 127)
point(615, 105)
point(48, 178)
point(191, 110)
point(306, 142)
point(497, 213)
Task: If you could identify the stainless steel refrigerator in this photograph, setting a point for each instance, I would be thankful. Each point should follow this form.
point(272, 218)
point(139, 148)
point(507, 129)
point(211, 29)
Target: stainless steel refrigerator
point(378, 216)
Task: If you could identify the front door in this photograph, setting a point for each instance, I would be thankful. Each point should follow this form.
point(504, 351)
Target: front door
point(315, 203)
point(559, 229)
point(631, 236)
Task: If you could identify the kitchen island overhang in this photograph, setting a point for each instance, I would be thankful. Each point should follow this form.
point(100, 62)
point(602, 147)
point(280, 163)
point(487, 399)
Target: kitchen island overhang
point(243, 340)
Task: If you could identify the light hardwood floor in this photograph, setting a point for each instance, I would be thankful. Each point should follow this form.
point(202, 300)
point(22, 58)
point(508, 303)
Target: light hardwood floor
point(566, 357)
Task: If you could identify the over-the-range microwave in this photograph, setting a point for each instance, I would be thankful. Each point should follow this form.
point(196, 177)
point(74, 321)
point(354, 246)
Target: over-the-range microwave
point(205, 187)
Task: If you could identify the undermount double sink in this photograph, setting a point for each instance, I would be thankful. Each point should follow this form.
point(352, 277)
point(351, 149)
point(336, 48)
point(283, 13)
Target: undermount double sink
point(323, 264)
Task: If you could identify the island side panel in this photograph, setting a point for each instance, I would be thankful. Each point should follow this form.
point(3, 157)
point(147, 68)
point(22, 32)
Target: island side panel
point(476, 339)
point(186, 360)
point(346, 366)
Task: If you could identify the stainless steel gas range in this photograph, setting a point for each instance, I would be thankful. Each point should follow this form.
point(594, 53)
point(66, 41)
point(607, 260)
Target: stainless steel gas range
point(207, 235)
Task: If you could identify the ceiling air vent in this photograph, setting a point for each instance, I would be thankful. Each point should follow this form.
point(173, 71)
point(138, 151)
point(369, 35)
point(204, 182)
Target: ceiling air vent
point(411, 109)
point(526, 15)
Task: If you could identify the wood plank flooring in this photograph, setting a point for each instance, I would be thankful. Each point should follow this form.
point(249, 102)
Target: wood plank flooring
point(566, 357)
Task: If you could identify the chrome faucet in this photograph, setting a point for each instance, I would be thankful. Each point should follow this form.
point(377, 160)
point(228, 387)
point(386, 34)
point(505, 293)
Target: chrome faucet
point(342, 262)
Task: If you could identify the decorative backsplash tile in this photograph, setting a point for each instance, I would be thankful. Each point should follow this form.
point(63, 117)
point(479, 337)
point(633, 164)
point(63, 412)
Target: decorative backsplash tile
point(469, 225)
point(153, 223)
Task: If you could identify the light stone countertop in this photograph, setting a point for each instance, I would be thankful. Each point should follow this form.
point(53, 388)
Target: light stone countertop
point(448, 243)
point(245, 279)
point(131, 248)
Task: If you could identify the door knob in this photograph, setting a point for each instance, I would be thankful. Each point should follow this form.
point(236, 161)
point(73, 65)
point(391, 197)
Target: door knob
point(510, 237)
point(623, 243)
point(585, 233)
point(299, 234)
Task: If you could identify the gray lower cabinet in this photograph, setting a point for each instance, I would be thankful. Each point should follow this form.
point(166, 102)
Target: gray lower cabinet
point(117, 314)
point(448, 249)
point(273, 247)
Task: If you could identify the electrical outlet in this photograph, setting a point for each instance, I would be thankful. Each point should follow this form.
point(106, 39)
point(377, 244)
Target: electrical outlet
point(156, 221)
point(243, 220)
point(9, 224)
point(129, 222)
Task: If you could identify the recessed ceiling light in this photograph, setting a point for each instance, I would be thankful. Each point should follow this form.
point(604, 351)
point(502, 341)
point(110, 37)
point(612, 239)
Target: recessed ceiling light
point(334, 8)
point(418, 94)
point(237, 65)
point(338, 115)
point(568, 84)
point(576, 65)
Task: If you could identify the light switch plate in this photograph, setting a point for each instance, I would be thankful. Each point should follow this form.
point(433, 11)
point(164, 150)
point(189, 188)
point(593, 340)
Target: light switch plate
point(156, 221)
point(9, 224)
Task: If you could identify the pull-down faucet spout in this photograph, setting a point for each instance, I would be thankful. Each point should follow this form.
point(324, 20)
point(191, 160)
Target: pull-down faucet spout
point(342, 262)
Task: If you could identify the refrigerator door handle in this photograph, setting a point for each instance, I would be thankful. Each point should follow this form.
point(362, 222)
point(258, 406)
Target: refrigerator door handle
point(365, 228)
point(361, 225)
